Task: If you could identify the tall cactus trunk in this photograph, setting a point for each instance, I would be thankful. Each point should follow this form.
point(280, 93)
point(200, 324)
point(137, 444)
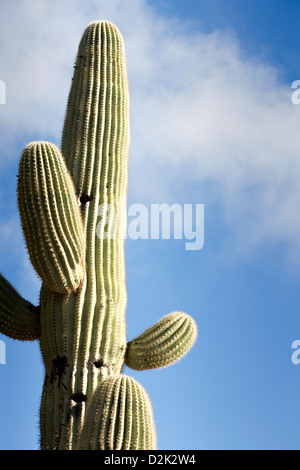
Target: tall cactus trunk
point(83, 338)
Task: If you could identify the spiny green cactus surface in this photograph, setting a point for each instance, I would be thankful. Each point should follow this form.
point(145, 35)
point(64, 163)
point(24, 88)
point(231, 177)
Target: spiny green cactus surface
point(76, 245)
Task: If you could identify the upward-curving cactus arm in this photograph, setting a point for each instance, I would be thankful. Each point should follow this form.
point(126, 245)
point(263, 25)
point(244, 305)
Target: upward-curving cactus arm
point(51, 218)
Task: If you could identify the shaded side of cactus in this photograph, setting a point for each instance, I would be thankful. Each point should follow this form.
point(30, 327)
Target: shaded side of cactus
point(19, 319)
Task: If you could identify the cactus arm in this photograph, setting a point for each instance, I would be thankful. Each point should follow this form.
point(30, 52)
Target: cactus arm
point(19, 319)
point(51, 218)
point(163, 344)
point(119, 417)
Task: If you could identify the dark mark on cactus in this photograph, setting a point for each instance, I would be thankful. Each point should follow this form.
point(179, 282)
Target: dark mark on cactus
point(58, 368)
point(79, 397)
point(84, 198)
point(99, 363)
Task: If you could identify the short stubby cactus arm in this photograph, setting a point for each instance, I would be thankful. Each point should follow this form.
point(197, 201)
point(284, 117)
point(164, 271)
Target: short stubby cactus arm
point(163, 344)
point(19, 319)
point(119, 417)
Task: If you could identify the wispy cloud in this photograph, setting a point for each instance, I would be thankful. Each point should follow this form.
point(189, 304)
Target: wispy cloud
point(199, 106)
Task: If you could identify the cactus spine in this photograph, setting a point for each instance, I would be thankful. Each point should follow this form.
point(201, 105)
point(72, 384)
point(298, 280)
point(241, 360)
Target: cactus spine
point(64, 199)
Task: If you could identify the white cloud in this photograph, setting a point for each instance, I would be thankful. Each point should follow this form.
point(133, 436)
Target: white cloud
point(199, 106)
point(225, 118)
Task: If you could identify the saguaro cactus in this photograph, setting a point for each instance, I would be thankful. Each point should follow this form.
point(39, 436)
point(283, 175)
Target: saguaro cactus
point(78, 252)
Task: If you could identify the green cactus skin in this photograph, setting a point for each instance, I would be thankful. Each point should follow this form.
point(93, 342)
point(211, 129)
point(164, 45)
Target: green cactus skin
point(51, 217)
point(119, 417)
point(163, 343)
point(64, 198)
point(19, 319)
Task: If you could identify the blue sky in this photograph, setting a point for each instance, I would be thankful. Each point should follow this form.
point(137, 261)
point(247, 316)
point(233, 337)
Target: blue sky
point(212, 123)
